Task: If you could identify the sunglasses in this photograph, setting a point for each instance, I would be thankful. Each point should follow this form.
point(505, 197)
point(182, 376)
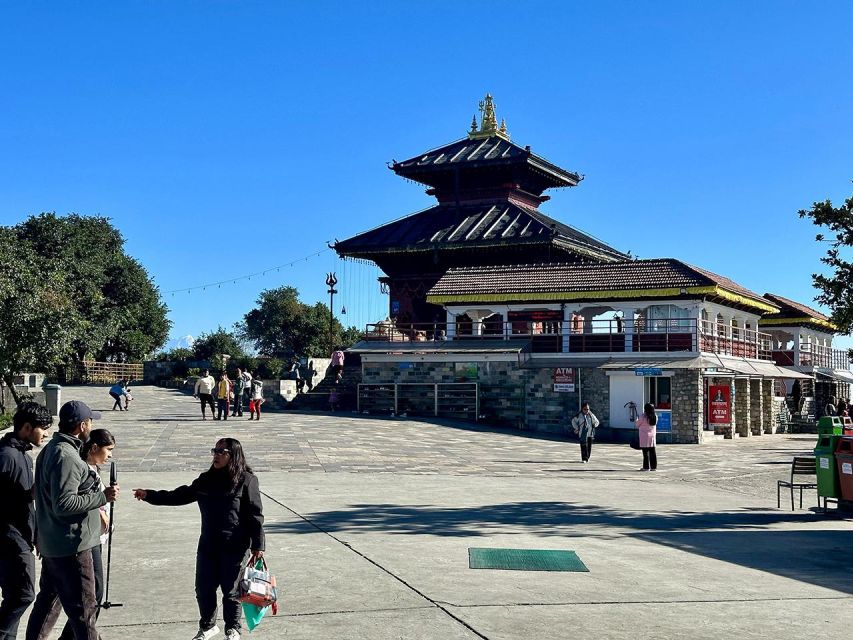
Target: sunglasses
point(220, 452)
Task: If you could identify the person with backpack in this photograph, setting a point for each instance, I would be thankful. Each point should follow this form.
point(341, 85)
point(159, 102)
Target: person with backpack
point(584, 425)
point(646, 425)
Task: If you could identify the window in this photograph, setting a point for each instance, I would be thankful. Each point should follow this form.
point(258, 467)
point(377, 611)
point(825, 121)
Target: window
point(668, 317)
point(659, 392)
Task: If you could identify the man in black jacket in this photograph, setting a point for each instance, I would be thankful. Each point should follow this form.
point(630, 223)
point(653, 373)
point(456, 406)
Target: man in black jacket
point(17, 518)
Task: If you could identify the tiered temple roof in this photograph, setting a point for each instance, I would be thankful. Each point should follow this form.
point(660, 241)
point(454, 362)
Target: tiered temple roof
point(476, 226)
point(488, 190)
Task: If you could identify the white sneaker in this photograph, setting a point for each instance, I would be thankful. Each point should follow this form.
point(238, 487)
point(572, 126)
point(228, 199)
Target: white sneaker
point(206, 635)
point(232, 634)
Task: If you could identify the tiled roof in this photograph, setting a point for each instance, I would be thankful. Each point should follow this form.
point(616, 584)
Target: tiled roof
point(624, 276)
point(791, 309)
point(500, 223)
point(488, 151)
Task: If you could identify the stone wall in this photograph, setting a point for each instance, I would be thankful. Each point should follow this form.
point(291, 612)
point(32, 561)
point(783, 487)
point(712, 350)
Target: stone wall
point(687, 418)
point(767, 406)
point(509, 396)
point(756, 407)
point(741, 408)
point(595, 389)
point(780, 415)
point(155, 371)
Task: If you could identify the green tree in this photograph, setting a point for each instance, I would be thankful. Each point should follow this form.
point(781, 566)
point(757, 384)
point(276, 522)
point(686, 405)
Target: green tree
point(174, 355)
point(215, 343)
point(835, 287)
point(116, 306)
point(37, 323)
point(282, 326)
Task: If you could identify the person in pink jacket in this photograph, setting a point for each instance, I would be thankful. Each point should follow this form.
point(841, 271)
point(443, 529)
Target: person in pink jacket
point(646, 426)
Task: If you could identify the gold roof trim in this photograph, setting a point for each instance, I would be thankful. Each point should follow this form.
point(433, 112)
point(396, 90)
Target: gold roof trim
point(488, 122)
point(601, 295)
point(781, 322)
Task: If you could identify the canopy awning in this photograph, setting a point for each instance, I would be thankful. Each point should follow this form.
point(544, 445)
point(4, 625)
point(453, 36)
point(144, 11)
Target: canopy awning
point(682, 363)
point(841, 375)
point(744, 367)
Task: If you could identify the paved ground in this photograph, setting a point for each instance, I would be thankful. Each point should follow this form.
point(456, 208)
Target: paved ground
point(369, 522)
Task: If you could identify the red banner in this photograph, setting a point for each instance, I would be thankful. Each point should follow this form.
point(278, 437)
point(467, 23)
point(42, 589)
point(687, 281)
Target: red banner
point(719, 404)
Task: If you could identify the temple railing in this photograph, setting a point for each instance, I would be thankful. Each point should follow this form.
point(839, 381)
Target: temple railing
point(591, 336)
point(815, 356)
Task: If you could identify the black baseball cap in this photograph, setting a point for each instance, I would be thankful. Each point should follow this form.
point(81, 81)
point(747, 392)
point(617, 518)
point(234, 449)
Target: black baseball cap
point(75, 412)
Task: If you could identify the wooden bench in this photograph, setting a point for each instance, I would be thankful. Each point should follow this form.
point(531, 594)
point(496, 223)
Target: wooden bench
point(800, 466)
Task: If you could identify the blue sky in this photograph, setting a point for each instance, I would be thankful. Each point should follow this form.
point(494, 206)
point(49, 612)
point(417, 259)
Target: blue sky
point(225, 138)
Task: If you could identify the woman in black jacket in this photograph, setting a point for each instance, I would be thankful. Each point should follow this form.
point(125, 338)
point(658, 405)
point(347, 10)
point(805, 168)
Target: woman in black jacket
point(232, 519)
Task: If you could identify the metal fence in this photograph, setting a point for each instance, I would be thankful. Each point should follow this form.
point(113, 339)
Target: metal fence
point(442, 399)
point(91, 372)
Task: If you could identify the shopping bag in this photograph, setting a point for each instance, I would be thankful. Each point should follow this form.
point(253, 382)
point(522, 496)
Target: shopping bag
point(257, 585)
point(253, 614)
point(635, 442)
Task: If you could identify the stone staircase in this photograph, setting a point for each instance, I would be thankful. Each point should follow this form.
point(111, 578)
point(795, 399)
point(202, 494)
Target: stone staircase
point(317, 399)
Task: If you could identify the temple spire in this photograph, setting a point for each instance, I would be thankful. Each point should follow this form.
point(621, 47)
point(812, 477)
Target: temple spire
point(488, 122)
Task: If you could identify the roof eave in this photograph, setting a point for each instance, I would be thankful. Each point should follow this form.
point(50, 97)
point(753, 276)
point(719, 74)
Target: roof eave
point(622, 294)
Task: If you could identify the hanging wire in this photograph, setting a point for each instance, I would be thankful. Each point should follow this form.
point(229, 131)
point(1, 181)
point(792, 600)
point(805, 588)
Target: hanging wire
point(247, 276)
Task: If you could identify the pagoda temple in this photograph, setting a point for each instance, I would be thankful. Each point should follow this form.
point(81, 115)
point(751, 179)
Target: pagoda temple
point(488, 190)
point(501, 314)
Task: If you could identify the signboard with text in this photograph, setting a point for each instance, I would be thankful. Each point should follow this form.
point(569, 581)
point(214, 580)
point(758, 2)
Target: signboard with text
point(719, 404)
point(648, 371)
point(564, 380)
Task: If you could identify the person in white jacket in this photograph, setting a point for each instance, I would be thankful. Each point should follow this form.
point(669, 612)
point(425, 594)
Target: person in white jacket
point(584, 425)
point(204, 391)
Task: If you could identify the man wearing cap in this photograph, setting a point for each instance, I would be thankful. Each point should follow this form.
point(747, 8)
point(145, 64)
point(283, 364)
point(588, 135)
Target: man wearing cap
point(17, 518)
point(69, 526)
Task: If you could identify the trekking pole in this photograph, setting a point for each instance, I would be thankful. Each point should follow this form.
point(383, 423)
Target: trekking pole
point(107, 604)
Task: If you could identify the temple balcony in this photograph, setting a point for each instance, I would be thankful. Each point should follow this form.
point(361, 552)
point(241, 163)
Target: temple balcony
point(686, 335)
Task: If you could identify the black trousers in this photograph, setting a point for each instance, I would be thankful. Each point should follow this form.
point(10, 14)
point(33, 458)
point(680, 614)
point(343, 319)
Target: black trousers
point(17, 582)
point(98, 568)
point(221, 409)
point(650, 458)
point(237, 407)
point(207, 398)
point(586, 448)
point(218, 567)
point(117, 399)
point(70, 580)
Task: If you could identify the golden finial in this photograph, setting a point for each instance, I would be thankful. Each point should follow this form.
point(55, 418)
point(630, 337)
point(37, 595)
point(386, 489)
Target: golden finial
point(488, 122)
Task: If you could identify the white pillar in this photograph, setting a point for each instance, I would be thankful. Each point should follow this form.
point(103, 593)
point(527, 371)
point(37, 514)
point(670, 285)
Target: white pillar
point(476, 322)
point(628, 326)
point(565, 329)
point(451, 325)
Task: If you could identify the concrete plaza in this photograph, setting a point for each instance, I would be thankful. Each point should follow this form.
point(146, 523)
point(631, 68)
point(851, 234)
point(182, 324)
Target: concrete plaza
point(369, 521)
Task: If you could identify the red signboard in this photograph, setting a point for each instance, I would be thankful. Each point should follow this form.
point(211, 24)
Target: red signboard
point(564, 379)
point(719, 404)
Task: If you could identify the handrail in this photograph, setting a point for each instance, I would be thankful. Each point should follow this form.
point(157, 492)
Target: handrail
point(821, 356)
point(599, 336)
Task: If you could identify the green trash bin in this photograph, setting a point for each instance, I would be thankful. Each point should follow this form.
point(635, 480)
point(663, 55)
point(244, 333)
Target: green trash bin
point(829, 425)
point(827, 471)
